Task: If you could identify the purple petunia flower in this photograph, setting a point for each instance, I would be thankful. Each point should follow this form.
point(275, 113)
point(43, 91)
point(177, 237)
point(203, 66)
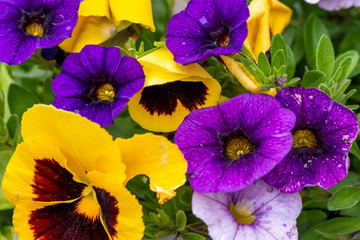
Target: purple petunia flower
point(97, 83)
point(334, 5)
point(26, 25)
point(229, 146)
point(256, 212)
point(207, 28)
point(323, 134)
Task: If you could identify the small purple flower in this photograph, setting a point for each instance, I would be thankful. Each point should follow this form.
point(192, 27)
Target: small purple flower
point(97, 83)
point(323, 134)
point(256, 212)
point(26, 25)
point(229, 146)
point(207, 28)
point(334, 5)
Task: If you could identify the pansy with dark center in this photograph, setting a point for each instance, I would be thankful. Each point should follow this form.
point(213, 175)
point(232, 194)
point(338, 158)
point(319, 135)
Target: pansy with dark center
point(207, 28)
point(26, 25)
point(97, 83)
point(322, 138)
point(229, 146)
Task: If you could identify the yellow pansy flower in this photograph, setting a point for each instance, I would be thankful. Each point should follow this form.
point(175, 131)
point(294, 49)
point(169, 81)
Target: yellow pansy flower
point(67, 179)
point(267, 18)
point(100, 19)
point(171, 92)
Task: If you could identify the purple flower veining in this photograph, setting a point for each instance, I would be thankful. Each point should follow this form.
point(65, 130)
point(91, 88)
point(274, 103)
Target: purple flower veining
point(26, 25)
point(97, 83)
point(322, 138)
point(231, 145)
point(256, 212)
point(207, 28)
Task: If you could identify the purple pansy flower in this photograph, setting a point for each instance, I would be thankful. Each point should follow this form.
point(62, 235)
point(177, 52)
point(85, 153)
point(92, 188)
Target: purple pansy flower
point(323, 134)
point(97, 83)
point(26, 25)
point(207, 28)
point(334, 5)
point(256, 212)
point(229, 146)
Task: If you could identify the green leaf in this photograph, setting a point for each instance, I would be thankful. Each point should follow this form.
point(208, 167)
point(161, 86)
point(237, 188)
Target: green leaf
point(254, 70)
point(323, 87)
point(312, 79)
point(339, 225)
point(344, 198)
point(7, 232)
point(264, 64)
point(180, 220)
point(193, 236)
point(13, 125)
point(325, 57)
point(278, 60)
point(355, 150)
point(314, 29)
point(48, 94)
point(353, 55)
point(291, 64)
point(20, 99)
point(5, 81)
point(5, 156)
point(341, 88)
point(278, 43)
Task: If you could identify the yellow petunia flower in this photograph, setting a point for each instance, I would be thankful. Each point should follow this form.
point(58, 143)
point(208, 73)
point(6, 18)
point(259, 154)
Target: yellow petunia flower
point(67, 179)
point(171, 92)
point(267, 18)
point(100, 19)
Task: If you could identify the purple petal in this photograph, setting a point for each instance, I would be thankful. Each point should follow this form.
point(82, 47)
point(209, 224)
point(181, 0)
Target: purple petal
point(112, 60)
point(16, 48)
point(129, 78)
point(67, 86)
point(92, 57)
point(70, 103)
point(74, 67)
point(98, 112)
point(117, 106)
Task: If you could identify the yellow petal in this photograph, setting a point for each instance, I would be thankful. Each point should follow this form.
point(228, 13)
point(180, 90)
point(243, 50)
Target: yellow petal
point(244, 77)
point(86, 146)
point(259, 26)
point(169, 123)
point(160, 68)
point(280, 17)
point(162, 60)
point(20, 172)
point(89, 30)
point(156, 157)
point(129, 224)
point(95, 8)
point(136, 11)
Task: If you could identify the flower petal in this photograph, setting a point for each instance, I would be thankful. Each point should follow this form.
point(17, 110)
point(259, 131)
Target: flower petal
point(44, 175)
point(85, 144)
point(156, 157)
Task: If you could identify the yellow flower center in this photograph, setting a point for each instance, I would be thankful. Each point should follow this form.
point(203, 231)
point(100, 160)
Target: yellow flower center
point(35, 29)
point(88, 204)
point(305, 138)
point(236, 147)
point(242, 214)
point(105, 93)
point(223, 41)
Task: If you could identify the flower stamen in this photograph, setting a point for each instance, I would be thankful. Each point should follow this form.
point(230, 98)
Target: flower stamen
point(305, 138)
point(242, 214)
point(35, 29)
point(105, 93)
point(236, 147)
